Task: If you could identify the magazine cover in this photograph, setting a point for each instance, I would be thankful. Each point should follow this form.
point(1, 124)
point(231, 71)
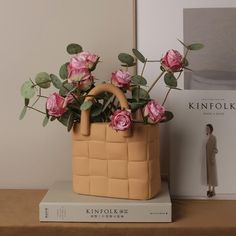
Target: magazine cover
point(203, 133)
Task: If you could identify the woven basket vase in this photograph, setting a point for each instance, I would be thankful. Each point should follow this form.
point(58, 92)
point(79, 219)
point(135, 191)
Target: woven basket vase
point(123, 164)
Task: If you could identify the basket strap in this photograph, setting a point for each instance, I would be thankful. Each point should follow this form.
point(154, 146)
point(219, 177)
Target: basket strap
point(85, 115)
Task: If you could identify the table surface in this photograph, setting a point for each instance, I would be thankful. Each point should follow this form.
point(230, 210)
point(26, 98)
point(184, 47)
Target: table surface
point(19, 215)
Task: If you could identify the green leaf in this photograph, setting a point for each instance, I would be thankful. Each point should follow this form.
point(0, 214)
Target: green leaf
point(125, 65)
point(185, 62)
point(64, 118)
point(28, 90)
point(45, 121)
point(63, 72)
point(96, 109)
point(195, 46)
point(139, 80)
point(53, 118)
point(169, 116)
point(56, 81)
point(65, 89)
point(86, 105)
point(70, 121)
point(171, 87)
point(139, 55)
point(139, 93)
point(126, 58)
point(43, 80)
point(23, 112)
point(170, 80)
point(27, 101)
point(183, 43)
point(74, 48)
point(136, 105)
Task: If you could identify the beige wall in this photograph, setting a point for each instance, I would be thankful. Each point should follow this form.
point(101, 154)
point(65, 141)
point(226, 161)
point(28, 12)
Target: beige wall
point(34, 34)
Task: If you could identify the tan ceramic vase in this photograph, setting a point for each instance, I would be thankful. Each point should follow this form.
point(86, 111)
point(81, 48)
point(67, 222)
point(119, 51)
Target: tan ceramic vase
point(124, 164)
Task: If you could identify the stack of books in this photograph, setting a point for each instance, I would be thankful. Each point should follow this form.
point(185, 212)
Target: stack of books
point(63, 205)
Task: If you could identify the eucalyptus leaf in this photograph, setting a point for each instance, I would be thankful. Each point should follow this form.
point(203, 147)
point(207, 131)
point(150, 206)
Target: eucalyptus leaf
point(63, 72)
point(43, 80)
point(27, 101)
point(96, 110)
point(56, 81)
point(139, 93)
point(170, 80)
point(45, 120)
point(70, 121)
point(169, 116)
point(139, 55)
point(86, 105)
point(64, 118)
point(173, 88)
point(136, 105)
point(185, 62)
point(130, 65)
point(126, 58)
point(23, 112)
point(28, 89)
point(65, 89)
point(139, 80)
point(74, 48)
point(195, 46)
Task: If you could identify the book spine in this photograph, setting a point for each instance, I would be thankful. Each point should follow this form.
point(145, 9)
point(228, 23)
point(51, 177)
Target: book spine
point(106, 213)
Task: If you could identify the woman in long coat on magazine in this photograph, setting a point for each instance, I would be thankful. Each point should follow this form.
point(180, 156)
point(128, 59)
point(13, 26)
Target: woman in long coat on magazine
point(211, 151)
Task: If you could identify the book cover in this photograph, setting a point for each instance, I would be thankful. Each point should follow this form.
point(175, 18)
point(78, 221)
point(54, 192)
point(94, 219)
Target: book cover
point(202, 146)
point(62, 204)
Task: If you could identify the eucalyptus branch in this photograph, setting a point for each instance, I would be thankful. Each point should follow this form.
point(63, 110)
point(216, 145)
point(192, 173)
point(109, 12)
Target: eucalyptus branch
point(42, 96)
point(153, 60)
point(37, 98)
point(144, 66)
point(30, 107)
point(156, 81)
point(166, 96)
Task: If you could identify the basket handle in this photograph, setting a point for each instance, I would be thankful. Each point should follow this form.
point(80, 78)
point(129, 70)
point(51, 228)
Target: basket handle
point(85, 114)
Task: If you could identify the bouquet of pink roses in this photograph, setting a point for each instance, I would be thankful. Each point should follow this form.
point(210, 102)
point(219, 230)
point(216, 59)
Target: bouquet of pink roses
point(77, 79)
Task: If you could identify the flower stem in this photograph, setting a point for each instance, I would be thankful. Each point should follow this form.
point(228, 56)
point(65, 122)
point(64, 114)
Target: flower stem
point(156, 81)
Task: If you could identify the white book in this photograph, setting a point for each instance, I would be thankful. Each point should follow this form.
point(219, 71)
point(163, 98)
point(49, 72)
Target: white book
point(63, 205)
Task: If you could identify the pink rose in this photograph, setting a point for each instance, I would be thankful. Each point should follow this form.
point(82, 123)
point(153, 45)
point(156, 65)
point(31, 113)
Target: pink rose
point(84, 60)
point(172, 61)
point(55, 105)
point(82, 78)
point(120, 120)
point(154, 111)
point(75, 75)
point(121, 79)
